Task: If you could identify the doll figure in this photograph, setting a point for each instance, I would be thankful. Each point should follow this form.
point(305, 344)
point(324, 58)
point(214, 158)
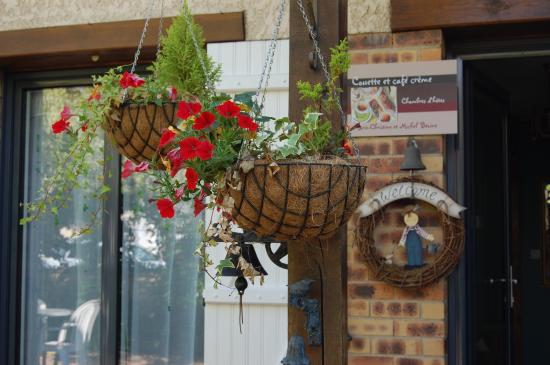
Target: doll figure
point(411, 240)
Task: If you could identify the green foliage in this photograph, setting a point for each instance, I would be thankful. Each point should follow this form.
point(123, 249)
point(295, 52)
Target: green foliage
point(72, 167)
point(323, 98)
point(179, 64)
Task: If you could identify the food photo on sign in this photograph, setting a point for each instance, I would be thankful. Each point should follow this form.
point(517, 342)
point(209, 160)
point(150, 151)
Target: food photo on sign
point(417, 98)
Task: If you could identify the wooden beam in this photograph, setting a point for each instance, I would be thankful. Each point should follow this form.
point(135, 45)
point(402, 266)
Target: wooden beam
point(323, 261)
point(114, 42)
point(426, 14)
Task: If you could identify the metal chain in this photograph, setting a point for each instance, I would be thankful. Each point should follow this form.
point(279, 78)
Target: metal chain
point(269, 58)
point(140, 44)
point(160, 26)
point(313, 35)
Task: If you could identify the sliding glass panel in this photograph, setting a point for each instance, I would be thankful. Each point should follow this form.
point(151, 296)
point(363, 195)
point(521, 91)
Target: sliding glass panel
point(162, 312)
point(60, 274)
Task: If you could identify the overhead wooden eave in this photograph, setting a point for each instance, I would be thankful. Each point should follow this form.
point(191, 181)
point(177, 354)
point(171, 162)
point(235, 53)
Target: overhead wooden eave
point(430, 14)
point(114, 42)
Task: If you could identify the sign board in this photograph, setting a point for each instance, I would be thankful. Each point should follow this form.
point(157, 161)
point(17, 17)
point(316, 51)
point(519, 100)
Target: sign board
point(400, 99)
point(410, 190)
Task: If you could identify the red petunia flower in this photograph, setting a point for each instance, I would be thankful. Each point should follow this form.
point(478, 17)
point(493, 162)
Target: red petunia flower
point(172, 93)
point(199, 206)
point(142, 167)
point(205, 120)
point(205, 150)
point(192, 147)
point(60, 126)
point(167, 137)
point(130, 80)
point(347, 148)
point(127, 169)
point(245, 122)
point(84, 127)
point(166, 208)
point(188, 148)
point(228, 109)
point(186, 110)
point(176, 162)
point(192, 178)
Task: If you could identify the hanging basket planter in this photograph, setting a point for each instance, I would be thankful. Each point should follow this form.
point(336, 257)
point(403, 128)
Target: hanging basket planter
point(135, 129)
point(298, 199)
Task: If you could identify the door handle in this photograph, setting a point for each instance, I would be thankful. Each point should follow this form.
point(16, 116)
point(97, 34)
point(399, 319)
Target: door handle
point(511, 282)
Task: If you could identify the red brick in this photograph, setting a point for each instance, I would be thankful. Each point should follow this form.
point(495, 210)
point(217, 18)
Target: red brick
point(360, 345)
point(425, 144)
point(384, 165)
point(373, 146)
point(370, 326)
point(419, 328)
point(369, 41)
point(396, 346)
point(370, 360)
point(432, 292)
point(430, 54)
point(358, 307)
point(407, 56)
point(370, 290)
point(394, 309)
point(383, 57)
point(359, 57)
point(418, 38)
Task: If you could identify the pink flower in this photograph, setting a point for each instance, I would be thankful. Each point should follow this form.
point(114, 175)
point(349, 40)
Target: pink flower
point(127, 169)
point(142, 167)
point(165, 208)
point(179, 193)
point(66, 113)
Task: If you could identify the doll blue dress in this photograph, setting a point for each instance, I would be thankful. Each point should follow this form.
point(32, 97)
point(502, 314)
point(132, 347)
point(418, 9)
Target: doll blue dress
point(413, 244)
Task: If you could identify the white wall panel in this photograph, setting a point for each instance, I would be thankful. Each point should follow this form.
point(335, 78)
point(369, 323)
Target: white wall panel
point(264, 337)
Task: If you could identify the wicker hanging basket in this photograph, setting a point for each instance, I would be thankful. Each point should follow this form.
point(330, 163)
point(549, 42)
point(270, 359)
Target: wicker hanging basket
point(302, 200)
point(136, 129)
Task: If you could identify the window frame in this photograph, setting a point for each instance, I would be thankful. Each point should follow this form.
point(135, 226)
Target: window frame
point(12, 165)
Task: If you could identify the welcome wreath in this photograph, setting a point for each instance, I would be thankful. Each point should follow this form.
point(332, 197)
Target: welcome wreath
point(415, 258)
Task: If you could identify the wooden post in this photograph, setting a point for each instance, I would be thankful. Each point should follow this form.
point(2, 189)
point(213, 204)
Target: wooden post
point(323, 261)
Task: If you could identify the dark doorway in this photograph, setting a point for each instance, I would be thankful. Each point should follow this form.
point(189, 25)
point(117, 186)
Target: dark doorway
point(506, 149)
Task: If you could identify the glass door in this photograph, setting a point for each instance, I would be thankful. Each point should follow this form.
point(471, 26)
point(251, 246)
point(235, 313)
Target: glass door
point(487, 221)
point(61, 274)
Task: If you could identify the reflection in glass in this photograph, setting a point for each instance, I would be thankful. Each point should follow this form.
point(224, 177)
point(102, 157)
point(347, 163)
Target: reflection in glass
point(61, 273)
point(162, 312)
point(546, 236)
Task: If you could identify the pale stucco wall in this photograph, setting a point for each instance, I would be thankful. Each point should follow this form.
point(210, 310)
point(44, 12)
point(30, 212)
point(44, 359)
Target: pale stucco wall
point(364, 15)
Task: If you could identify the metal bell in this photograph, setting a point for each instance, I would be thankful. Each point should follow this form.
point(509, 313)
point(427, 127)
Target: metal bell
point(249, 254)
point(413, 159)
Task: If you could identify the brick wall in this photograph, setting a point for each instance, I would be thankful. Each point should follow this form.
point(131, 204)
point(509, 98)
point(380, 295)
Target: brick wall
point(393, 326)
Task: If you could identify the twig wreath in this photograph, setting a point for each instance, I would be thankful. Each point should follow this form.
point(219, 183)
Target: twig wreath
point(416, 272)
